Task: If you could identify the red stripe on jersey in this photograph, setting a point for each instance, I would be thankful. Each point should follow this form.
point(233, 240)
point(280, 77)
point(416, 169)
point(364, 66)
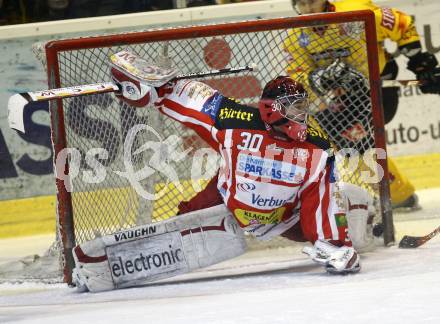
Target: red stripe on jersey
point(201, 123)
point(325, 202)
point(309, 204)
point(188, 112)
point(230, 161)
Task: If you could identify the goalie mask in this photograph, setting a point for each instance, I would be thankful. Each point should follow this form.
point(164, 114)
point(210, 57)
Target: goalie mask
point(284, 106)
point(340, 86)
point(303, 7)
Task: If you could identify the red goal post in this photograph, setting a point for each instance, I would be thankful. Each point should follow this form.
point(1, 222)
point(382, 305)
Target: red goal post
point(86, 208)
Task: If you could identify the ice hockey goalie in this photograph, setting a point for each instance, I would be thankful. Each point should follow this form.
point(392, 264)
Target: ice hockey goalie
point(277, 177)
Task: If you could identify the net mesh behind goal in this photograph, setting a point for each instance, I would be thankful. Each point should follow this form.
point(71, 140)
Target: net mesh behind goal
point(91, 133)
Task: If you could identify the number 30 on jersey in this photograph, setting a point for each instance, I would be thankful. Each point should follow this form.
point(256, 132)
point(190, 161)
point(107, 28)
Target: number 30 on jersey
point(250, 142)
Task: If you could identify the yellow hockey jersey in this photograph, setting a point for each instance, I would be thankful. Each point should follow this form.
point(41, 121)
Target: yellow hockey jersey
point(310, 48)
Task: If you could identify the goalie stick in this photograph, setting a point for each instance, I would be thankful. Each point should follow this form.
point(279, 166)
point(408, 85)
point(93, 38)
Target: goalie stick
point(398, 83)
point(17, 102)
point(411, 242)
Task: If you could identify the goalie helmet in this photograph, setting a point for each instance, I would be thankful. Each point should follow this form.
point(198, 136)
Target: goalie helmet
point(284, 106)
point(340, 85)
point(345, 94)
point(309, 6)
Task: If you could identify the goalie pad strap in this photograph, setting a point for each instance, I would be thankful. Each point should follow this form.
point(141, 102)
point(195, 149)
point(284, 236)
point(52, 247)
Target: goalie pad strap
point(221, 227)
point(356, 206)
point(360, 210)
point(83, 258)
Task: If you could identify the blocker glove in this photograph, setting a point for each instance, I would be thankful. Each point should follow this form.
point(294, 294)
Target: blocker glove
point(424, 66)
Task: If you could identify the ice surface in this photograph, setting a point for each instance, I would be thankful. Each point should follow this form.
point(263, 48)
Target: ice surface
point(282, 286)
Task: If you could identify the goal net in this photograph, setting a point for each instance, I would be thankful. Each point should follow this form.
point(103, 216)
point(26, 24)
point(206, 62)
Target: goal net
point(98, 141)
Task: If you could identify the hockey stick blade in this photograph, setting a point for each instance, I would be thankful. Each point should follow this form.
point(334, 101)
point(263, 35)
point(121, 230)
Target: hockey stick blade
point(412, 242)
point(17, 103)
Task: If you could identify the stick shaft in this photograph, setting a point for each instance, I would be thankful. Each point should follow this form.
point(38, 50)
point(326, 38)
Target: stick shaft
point(398, 83)
point(215, 72)
point(68, 92)
point(104, 87)
point(434, 233)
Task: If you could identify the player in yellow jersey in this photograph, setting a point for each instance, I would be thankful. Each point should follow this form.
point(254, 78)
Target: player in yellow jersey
point(332, 59)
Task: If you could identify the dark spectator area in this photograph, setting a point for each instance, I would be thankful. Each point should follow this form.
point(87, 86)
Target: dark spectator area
point(28, 11)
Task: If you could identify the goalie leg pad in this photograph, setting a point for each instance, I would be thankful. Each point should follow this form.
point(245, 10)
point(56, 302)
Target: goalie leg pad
point(157, 251)
point(360, 212)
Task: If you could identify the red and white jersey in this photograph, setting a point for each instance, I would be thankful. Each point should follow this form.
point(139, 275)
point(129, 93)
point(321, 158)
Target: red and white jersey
point(269, 182)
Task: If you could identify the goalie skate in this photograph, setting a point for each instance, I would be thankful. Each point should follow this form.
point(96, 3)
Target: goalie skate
point(409, 205)
point(336, 260)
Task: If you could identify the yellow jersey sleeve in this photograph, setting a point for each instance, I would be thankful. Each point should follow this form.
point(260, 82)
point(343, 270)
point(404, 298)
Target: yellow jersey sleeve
point(395, 25)
point(390, 22)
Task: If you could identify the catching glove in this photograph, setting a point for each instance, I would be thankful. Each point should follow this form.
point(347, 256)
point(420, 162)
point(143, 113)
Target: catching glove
point(424, 66)
point(138, 79)
point(133, 92)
